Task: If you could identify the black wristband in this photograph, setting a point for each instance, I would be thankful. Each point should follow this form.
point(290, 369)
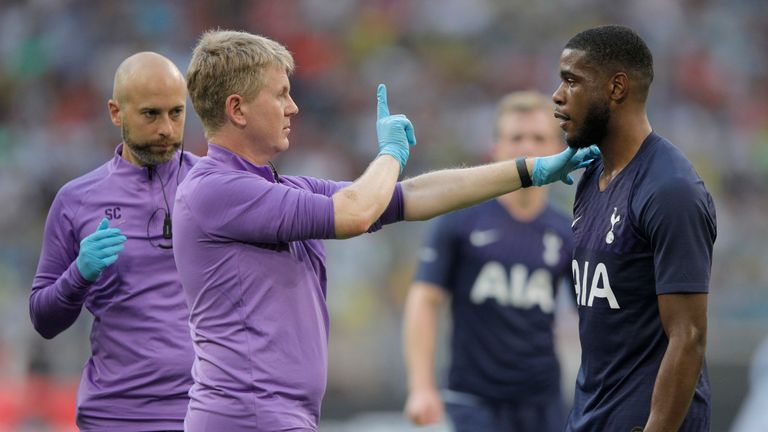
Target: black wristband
point(522, 170)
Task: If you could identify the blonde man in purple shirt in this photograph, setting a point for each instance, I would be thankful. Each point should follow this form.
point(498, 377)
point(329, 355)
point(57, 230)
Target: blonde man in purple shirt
point(248, 244)
point(139, 372)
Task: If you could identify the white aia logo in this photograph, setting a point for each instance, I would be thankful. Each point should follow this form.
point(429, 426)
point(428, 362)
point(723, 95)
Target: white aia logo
point(599, 287)
point(521, 289)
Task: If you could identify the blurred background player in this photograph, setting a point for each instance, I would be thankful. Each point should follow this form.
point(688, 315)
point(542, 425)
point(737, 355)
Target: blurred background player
point(251, 258)
point(500, 263)
point(138, 374)
point(644, 228)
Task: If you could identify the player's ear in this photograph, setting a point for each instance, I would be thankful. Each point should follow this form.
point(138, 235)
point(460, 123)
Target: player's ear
point(235, 110)
point(619, 87)
point(114, 112)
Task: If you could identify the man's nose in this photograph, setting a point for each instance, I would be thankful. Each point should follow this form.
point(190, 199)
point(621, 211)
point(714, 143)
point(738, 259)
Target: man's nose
point(165, 127)
point(557, 96)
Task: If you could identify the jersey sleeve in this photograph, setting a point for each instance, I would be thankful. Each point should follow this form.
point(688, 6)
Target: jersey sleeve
point(439, 255)
point(679, 219)
point(320, 186)
point(58, 289)
point(247, 208)
point(395, 211)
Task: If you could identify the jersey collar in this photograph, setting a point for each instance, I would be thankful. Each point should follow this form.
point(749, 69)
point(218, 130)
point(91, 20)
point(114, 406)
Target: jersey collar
point(232, 160)
point(121, 166)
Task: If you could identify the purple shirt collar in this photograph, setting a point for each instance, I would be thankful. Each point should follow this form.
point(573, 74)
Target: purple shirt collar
point(235, 161)
point(119, 165)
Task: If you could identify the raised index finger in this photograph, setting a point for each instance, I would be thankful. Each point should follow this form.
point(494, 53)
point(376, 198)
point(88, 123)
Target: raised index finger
point(382, 109)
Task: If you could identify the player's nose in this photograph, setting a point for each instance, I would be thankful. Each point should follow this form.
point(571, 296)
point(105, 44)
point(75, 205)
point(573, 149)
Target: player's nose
point(558, 97)
point(165, 127)
point(292, 108)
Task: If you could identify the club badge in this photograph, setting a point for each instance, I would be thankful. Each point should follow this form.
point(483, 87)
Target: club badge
point(615, 218)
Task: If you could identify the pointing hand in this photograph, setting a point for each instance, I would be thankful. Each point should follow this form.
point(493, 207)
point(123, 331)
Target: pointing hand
point(394, 132)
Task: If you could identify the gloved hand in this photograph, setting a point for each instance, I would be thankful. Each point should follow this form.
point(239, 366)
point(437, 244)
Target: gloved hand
point(394, 132)
point(99, 250)
point(550, 169)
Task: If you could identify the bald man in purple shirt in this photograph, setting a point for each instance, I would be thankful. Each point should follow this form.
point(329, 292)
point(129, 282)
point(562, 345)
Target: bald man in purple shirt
point(139, 372)
point(248, 244)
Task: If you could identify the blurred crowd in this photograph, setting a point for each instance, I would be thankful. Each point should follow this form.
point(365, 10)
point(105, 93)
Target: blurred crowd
point(445, 62)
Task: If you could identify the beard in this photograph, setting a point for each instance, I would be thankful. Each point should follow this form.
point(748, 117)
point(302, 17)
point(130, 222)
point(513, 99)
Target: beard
point(594, 128)
point(145, 152)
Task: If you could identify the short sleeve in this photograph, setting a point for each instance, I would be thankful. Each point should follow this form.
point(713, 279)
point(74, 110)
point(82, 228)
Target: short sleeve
point(318, 186)
point(438, 255)
point(245, 207)
point(679, 219)
point(395, 211)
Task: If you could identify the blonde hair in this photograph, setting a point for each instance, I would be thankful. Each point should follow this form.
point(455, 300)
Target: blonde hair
point(524, 102)
point(228, 62)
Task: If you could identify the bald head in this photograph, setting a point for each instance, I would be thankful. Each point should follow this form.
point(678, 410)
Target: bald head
point(148, 105)
point(142, 70)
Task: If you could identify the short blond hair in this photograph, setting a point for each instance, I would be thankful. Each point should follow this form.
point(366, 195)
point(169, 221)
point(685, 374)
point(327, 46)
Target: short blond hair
point(524, 102)
point(226, 62)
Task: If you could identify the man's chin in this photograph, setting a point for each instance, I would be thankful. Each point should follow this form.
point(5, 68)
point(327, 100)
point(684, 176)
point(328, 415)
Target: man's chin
point(163, 159)
point(285, 145)
point(155, 156)
point(576, 143)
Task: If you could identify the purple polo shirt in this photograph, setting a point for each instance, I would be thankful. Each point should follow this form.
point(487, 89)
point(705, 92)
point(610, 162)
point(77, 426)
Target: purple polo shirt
point(138, 375)
point(253, 270)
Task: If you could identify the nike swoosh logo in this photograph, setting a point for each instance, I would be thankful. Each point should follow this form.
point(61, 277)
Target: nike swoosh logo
point(480, 238)
point(573, 224)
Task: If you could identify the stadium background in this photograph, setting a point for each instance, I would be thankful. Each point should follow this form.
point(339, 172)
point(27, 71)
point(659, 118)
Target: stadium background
point(446, 62)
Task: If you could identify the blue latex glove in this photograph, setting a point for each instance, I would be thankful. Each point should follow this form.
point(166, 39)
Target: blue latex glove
point(553, 168)
point(99, 250)
point(394, 132)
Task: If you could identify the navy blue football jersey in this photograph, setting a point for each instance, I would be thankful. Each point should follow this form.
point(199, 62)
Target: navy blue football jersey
point(502, 275)
point(649, 233)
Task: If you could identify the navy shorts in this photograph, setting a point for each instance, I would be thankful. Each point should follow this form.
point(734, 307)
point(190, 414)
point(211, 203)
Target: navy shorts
point(470, 413)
